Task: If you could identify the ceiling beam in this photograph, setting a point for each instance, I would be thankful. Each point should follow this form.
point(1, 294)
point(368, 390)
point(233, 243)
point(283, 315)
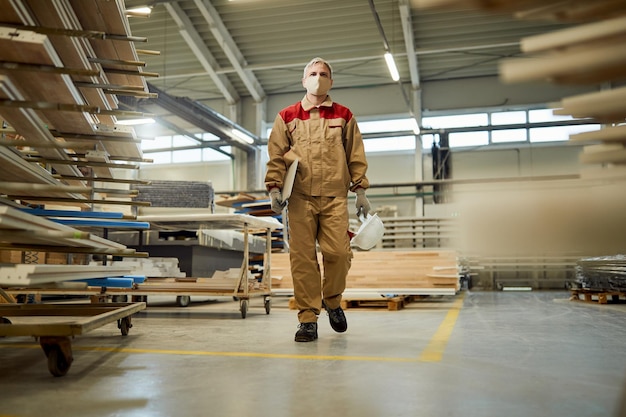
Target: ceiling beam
point(227, 43)
point(409, 36)
point(202, 53)
point(365, 58)
point(202, 117)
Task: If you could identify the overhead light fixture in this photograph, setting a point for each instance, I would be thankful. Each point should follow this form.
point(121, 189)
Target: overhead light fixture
point(139, 11)
point(391, 64)
point(242, 137)
point(134, 122)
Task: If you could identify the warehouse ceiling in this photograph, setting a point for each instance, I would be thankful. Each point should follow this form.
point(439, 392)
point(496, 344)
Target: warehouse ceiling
point(234, 49)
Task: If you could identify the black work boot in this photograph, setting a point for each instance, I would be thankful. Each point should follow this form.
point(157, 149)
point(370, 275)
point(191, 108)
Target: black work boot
point(307, 332)
point(337, 319)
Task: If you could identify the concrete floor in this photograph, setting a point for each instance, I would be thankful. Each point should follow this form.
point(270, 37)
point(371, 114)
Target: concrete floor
point(477, 354)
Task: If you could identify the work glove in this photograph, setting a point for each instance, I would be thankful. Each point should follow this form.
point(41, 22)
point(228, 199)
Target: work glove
point(277, 200)
point(362, 203)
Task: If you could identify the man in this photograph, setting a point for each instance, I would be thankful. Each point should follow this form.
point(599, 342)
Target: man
point(325, 139)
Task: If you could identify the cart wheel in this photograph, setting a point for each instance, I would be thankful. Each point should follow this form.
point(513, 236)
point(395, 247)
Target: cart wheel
point(183, 300)
point(124, 324)
point(58, 365)
point(244, 308)
point(119, 298)
point(4, 320)
point(58, 350)
point(268, 305)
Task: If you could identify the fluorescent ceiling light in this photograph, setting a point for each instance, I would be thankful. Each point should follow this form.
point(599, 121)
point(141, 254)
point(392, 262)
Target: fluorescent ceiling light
point(242, 137)
point(391, 64)
point(139, 11)
point(134, 122)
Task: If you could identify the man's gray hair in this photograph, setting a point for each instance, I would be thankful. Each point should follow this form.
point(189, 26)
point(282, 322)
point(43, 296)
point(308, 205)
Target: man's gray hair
point(318, 60)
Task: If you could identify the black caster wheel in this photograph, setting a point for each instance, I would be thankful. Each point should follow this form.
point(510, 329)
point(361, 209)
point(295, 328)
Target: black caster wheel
point(183, 300)
point(124, 324)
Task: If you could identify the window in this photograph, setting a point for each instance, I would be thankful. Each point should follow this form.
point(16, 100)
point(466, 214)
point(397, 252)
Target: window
point(460, 120)
point(209, 154)
point(397, 143)
point(395, 125)
point(545, 115)
point(456, 124)
point(187, 155)
point(508, 117)
point(464, 139)
point(161, 157)
point(180, 141)
point(428, 140)
point(558, 133)
point(508, 135)
point(159, 142)
point(209, 137)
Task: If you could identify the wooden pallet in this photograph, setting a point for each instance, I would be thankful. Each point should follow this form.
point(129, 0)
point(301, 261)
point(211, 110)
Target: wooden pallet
point(390, 303)
point(597, 296)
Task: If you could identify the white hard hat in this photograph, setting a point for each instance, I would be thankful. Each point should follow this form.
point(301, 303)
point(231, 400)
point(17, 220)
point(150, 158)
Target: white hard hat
point(370, 232)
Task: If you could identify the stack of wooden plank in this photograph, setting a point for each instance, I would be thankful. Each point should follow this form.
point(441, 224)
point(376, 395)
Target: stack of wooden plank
point(27, 229)
point(24, 275)
point(386, 272)
point(62, 65)
point(152, 267)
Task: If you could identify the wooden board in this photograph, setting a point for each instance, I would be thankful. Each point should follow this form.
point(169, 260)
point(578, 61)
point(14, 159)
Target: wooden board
point(196, 221)
point(395, 272)
point(24, 274)
point(39, 230)
point(109, 16)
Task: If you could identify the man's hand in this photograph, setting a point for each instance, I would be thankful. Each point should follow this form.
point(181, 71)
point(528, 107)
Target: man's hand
point(277, 200)
point(362, 203)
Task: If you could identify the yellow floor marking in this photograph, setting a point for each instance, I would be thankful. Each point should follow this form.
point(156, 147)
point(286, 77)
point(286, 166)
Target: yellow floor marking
point(432, 353)
point(435, 348)
point(232, 354)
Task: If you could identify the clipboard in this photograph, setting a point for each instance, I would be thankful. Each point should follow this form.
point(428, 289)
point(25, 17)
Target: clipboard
point(290, 178)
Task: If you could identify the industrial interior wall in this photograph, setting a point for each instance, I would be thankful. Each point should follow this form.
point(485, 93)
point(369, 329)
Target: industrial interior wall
point(489, 92)
point(400, 167)
point(370, 102)
point(219, 173)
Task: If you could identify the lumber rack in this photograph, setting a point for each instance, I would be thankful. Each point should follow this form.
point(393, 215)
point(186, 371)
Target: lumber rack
point(64, 321)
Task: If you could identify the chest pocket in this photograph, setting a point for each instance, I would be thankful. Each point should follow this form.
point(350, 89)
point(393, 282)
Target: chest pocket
point(334, 134)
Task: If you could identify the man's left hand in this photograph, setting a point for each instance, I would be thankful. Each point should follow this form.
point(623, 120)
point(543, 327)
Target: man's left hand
point(362, 203)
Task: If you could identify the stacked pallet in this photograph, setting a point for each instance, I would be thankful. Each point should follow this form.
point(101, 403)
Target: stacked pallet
point(386, 272)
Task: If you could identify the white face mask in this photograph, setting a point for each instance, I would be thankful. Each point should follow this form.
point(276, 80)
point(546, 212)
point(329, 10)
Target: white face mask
point(316, 85)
